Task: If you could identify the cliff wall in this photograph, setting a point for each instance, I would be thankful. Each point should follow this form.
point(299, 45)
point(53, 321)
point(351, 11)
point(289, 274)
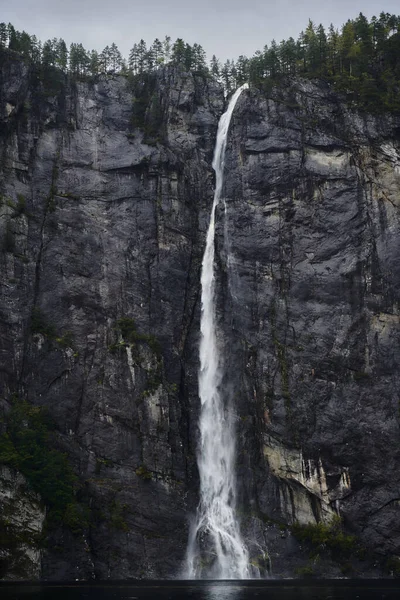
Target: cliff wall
point(106, 190)
point(310, 308)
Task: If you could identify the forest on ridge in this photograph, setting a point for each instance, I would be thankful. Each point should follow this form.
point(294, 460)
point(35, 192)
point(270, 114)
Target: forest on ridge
point(362, 59)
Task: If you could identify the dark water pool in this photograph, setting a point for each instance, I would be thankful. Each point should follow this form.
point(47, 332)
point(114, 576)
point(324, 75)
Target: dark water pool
point(219, 590)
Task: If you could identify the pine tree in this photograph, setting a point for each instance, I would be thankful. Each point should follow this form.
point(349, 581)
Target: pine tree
point(12, 38)
point(157, 52)
point(150, 61)
point(322, 49)
point(188, 57)
point(3, 35)
point(284, 55)
point(48, 54)
point(36, 49)
point(124, 67)
point(291, 55)
point(133, 60)
point(302, 51)
point(215, 67)
point(333, 60)
point(167, 48)
point(73, 58)
point(79, 60)
point(381, 31)
point(271, 60)
point(242, 69)
point(94, 63)
point(25, 44)
point(199, 59)
point(392, 55)
point(234, 77)
point(62, 55)
point(346, 48)
point(312, 49)
point(226, 75)
point(115, 57)
point(179, 52)
point(84, 59)
point(105, 59)
point(142, 57)
point(256, 67)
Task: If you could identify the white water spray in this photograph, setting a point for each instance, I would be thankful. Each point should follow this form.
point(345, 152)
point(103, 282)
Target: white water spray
point(215, 549)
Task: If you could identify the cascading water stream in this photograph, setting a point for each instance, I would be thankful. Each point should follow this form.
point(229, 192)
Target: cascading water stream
point(215, 549)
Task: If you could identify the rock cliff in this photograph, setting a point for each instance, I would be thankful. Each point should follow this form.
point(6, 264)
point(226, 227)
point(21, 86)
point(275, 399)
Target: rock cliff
point(310, 308)
point(106, 188)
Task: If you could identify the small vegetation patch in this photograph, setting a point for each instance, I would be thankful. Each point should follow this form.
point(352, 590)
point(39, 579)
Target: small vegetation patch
point(102, 462)
point(68, 195)
point(262, 562)
point(129, 337)
point(143, 473)
point(27, 444)
point(40, 325)
point(306, 572)
point(66, 340)
point(19, 207)
point(327, 537)
point(126, 327)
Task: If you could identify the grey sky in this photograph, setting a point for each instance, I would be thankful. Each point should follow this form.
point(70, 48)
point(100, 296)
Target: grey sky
point(226, 28)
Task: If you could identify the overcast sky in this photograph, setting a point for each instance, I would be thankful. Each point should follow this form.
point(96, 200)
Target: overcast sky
point(226, 28)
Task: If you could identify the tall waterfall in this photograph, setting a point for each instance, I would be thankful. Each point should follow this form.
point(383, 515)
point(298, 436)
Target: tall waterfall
point(215, 548)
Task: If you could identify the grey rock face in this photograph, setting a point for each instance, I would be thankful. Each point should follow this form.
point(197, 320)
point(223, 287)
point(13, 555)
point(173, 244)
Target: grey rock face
point(101, 220)
point(98, 226)
point(21, 525)
point(310, 309)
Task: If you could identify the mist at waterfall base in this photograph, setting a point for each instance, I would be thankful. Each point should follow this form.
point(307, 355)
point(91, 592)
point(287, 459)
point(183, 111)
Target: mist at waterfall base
point(207, 590)
point(215, 548)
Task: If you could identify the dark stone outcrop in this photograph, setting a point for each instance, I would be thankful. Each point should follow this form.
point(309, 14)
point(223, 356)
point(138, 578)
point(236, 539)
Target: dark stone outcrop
point(103, 217)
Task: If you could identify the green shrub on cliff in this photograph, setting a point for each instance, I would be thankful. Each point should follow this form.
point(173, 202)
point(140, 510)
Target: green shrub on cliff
point(331, 537)
point(126, 327)
point(39, 325)
point(27, 444)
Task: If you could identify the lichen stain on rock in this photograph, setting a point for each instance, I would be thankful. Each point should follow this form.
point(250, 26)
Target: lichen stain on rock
point(289, 466)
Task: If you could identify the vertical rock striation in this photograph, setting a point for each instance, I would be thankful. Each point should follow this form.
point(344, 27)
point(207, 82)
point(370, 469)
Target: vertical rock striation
point(102, 222)
point(106, 190)
point(312, 318)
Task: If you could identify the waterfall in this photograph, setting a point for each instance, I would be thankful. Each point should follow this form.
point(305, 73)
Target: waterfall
point(215, 548)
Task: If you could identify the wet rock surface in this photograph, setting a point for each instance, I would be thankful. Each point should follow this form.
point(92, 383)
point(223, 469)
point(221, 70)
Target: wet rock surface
point(310, 308)
point(103, 218)
point(22, 517)
point(97, 226)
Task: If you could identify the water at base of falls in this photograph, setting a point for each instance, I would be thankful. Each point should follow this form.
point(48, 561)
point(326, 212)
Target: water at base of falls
point(215, 548)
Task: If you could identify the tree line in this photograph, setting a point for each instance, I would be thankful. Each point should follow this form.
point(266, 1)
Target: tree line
point(361, 59)
point(81, 62)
